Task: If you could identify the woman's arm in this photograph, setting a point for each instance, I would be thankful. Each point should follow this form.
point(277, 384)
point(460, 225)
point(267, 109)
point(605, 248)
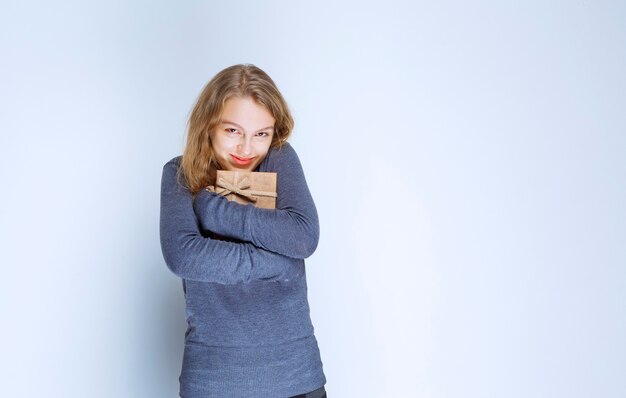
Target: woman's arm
point(292, 229)
point(191, 256)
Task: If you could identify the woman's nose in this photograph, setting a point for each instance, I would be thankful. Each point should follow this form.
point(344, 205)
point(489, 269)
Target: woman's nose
point(245, 146)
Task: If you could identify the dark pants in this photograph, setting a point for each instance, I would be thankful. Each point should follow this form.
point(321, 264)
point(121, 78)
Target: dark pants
point(319, 393)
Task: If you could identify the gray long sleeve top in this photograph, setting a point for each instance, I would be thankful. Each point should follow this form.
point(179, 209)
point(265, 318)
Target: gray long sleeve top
point(249, 329)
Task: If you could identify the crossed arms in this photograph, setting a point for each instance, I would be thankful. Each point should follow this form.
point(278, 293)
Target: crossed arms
point(273, 242)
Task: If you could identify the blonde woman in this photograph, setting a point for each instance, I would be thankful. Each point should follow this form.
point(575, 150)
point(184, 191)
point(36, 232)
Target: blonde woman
point(249, 330)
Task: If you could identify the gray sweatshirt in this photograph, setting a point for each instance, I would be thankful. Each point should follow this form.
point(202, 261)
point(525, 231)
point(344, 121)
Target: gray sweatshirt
point(249, 330)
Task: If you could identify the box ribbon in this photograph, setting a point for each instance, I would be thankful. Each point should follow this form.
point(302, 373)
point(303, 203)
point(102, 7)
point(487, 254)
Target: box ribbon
point(240, 188)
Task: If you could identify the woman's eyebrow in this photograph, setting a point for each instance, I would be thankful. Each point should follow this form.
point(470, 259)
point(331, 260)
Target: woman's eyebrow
point(241, 128)
point(233, 123)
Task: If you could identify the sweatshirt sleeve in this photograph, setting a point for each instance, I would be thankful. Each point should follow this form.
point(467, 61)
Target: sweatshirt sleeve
point(192, 256)
point(292, 229)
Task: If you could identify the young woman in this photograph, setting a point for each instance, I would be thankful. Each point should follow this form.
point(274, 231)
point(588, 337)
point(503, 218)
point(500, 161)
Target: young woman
point(249, 330)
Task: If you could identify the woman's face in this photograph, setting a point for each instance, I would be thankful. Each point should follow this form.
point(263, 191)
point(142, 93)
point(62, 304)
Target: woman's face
point(243, 137)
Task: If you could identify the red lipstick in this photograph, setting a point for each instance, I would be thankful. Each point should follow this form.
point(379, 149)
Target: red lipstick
point(241, 161)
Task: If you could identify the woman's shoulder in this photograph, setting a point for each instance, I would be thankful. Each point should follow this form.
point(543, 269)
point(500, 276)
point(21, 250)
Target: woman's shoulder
point(283, 152)
point(171, 170)
point(174, 162)
point(281, 158)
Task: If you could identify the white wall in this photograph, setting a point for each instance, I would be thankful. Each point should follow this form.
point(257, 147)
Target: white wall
point(467, 160)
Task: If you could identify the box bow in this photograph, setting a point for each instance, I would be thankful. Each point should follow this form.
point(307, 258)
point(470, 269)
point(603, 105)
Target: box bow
point(240, 188)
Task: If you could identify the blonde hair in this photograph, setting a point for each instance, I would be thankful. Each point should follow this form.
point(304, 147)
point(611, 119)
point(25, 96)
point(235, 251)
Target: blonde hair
point(199, 165)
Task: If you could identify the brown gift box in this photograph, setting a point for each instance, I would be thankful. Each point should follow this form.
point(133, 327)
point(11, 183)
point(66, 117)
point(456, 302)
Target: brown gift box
point(247, 187)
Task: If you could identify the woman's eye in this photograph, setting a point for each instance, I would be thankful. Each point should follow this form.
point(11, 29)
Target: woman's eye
point(231, 130)
point(263, 134)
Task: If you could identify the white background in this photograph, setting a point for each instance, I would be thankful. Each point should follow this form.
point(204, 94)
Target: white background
point(468, 161)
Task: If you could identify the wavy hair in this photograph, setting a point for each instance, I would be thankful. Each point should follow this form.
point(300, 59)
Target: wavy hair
point(199, 166)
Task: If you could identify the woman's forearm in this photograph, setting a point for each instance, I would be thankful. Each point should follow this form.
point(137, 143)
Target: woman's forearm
point(292, 229)
point(192, 256)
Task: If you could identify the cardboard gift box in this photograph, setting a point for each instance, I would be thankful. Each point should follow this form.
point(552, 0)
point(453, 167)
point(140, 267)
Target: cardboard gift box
point(247, 187)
